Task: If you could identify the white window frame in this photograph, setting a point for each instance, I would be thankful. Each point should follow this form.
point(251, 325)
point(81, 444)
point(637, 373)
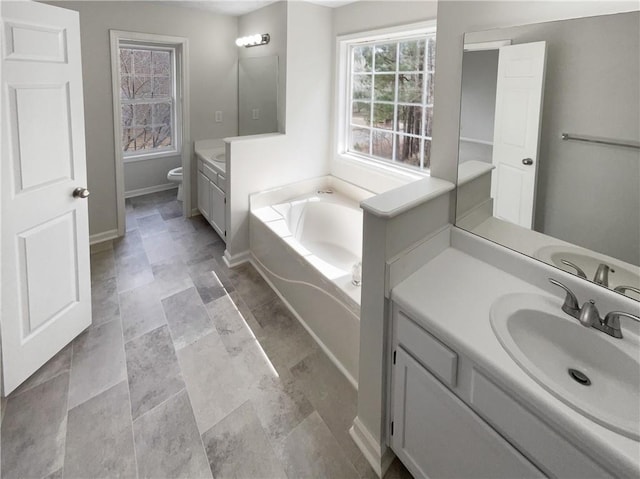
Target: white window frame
point(181, 46)
point(343, 95)
point(176, 133)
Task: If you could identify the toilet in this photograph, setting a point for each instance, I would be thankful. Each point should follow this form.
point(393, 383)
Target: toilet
point(175, 176)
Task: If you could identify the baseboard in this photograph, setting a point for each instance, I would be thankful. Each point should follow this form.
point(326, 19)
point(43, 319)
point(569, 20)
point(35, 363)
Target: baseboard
point(195, 212)
point(150, 189)
point(318, 341)
point(104, 236)
point(379, 456)
point(237, 259)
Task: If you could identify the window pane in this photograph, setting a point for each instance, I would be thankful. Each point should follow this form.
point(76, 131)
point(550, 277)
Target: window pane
point(126, 87)
point(125, 60)
point(162, 136)
point(161, 87)
point(362, 87)
point(386, 57)
point(142, 138)
point(431, 54)
point(161, 114)
point(427, 154)
point(127, 116)
point(408, 150)
point(127, 139)
point(409, 119)
point(430, 85)
point(161, 63)
point(382, 144)
point(142, 62)
point(384, 87)
point(361, 113)
point(411, 56)
point(383, 116)
point(410, 88)
point(362, 59)
point(141, 86)
point(359, 140)
point(428, 123)
point(142, 115)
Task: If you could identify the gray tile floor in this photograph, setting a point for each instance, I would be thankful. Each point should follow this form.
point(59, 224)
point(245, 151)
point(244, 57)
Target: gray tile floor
point(188, 370)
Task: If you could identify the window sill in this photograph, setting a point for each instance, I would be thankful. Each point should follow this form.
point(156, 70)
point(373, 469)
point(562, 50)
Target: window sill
point(380, 166)
point(151, 156)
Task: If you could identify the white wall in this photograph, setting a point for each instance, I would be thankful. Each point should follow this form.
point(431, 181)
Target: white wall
point(213, 83)
point(271, 19)
point(260, 163)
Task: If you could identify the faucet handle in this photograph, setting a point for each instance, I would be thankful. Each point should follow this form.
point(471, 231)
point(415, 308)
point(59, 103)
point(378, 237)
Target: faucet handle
point(579, 270)
point(623, 289)
point(612, 322)
point(570, 306)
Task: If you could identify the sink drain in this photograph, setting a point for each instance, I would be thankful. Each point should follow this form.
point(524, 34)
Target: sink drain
point(579, 377)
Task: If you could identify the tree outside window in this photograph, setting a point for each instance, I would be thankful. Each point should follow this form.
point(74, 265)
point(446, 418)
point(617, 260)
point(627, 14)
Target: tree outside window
point(391, 98)
point(147, 99)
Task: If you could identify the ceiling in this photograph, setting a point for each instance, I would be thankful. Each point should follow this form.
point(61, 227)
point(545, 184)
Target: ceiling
point(240, 7)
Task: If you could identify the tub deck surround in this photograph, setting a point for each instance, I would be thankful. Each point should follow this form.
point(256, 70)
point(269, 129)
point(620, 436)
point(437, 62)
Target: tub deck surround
point(451, 297)
point(305, 242)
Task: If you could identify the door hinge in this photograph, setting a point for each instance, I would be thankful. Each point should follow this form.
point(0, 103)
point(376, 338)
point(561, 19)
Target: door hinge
point(394, 357)
point(392, 428)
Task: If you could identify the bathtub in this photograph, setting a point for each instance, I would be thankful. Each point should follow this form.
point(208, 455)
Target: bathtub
point(305, 242)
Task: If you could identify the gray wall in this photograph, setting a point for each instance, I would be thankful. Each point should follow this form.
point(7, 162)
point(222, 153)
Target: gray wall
point(271, 19)
point(368, 15)
point(149, 173)
point(479, 94)
point(213, 82)
point(588, 195)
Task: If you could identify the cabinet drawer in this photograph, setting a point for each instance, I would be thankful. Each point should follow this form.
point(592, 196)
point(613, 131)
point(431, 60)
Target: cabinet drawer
point(543, 445)
point(210, 173)
point(435, 356)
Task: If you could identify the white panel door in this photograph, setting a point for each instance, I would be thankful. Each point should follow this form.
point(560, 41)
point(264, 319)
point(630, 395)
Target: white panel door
point(46, 297)
point(519, 94)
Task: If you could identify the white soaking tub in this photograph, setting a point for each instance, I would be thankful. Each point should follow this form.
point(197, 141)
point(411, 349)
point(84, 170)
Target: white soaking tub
point(305, 240)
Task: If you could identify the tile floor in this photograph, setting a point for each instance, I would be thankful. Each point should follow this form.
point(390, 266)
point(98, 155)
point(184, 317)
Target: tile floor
point(188, 370)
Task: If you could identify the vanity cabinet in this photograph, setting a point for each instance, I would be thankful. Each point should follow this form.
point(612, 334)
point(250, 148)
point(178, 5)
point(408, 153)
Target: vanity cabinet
point(212, 197)
point(450, 419)
point(433, 432)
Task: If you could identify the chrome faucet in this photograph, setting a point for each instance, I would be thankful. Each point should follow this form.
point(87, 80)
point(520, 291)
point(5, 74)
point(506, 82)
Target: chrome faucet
point(579, 271)
point(589, 316)
point(623, 289)
point(602, 274)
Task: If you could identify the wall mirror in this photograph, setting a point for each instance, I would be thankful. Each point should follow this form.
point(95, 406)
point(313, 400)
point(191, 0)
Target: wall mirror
point(257, 95)
point(549, 158)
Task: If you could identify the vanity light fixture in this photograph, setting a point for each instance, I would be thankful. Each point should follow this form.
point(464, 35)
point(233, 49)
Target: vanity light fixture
point(253, 40)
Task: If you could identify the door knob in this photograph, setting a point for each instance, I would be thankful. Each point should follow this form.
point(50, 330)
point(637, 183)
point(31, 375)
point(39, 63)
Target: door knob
point(527, 161)
point(80, 192)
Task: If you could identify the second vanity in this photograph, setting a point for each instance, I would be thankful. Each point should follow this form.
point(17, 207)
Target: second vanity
point(212, 183)
point(461, 405)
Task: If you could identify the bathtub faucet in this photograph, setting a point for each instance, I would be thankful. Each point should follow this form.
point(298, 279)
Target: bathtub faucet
point(328, 191)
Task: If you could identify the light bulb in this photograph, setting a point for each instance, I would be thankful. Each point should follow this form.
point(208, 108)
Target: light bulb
point(239, 42)
point(257, 39)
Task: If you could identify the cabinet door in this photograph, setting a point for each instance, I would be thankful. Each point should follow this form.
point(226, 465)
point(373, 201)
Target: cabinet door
point(217, 210)
point(436, 435)
point(204, 195)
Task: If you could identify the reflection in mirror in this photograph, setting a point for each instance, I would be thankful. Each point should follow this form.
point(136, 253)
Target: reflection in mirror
point(257, 95)
point(572, 203)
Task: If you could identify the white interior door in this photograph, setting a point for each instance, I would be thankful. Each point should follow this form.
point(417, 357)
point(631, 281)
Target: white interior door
point(46, 297)
point(519, 94)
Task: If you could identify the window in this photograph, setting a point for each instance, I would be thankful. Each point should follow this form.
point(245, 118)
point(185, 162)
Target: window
point(389, 98)
point(147, 100)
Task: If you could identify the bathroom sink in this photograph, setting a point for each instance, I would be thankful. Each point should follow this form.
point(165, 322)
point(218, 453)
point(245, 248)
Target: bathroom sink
point(218, 157)
point(595, 374)
point(622, 274)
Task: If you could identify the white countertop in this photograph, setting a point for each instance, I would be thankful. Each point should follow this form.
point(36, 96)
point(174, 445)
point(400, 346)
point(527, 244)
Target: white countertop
point(451, 297)
point(209, 151)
